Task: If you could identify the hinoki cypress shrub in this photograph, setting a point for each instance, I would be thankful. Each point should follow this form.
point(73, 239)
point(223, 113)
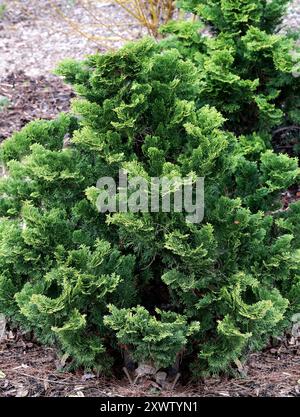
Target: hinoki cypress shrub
point(248, 69)
point(151, 284)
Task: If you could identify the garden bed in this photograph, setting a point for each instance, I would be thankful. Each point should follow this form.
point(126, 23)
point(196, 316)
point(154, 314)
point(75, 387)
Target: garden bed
point(36, 371)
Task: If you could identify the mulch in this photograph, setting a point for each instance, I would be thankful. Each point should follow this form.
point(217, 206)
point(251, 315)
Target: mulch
point(29, 98)
point(28, 369)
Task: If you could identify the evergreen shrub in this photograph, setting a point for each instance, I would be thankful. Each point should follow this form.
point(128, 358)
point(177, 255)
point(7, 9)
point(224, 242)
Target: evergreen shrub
point(153, 284)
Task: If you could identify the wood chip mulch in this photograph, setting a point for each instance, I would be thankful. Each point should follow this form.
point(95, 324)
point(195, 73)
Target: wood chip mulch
point(29, 98)
point(30, 370)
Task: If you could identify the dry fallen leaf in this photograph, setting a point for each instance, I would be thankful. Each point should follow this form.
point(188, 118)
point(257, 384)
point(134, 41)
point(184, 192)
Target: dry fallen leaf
point(46, 384)
point(224, 393)
point(23, 365)
point(22, 391)
point(77, 394)
point(78, 388)
point(2, 375)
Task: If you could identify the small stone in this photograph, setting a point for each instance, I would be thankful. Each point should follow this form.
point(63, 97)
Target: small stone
point(160, 378)
point(144, 369)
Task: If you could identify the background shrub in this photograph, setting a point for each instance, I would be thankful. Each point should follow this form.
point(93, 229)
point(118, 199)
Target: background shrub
point(248, 70)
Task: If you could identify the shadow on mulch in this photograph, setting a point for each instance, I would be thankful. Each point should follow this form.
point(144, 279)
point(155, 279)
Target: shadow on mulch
point(24, 98)
point(30, 370)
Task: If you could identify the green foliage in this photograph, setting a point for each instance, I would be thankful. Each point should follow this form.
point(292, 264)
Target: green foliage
point(247, 70)
point(4, 101)
point(236, 16)
point(155, 341)
point(2, 10)
point(93, 282)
